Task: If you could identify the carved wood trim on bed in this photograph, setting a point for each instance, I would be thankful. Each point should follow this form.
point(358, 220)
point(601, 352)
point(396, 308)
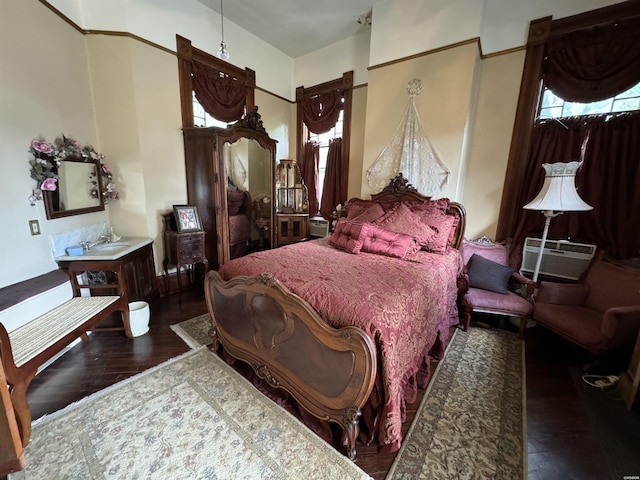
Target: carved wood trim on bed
point(330, 372)
point(399, 189)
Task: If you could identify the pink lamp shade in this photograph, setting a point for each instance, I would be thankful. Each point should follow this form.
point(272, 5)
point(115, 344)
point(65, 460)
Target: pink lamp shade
point(558, 192)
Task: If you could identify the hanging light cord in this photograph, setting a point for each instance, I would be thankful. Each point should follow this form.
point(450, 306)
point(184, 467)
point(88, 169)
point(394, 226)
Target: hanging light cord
point(222, 21)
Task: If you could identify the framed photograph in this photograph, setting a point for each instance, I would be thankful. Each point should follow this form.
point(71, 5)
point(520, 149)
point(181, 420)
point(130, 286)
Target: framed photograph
point(187, 219)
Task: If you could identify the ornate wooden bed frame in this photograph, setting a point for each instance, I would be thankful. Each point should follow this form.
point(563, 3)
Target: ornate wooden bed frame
point(330, 372)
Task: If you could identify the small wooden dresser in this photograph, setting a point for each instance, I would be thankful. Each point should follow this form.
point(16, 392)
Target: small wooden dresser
point(182, 249)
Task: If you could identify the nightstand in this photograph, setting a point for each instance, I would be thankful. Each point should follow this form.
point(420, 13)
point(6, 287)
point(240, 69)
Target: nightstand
point(183, 250)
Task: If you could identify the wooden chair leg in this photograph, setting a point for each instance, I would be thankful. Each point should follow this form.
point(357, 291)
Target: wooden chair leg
point(467, 318)
point(11, 450)
point(18, 394)
point(523, 327)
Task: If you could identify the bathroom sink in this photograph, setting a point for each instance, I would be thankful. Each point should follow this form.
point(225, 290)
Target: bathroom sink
point(111, 246)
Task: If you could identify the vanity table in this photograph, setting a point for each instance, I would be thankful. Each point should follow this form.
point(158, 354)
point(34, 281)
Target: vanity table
point(133, 256)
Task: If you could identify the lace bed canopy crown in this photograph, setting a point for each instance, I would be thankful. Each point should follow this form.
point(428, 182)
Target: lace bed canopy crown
point(411, 153)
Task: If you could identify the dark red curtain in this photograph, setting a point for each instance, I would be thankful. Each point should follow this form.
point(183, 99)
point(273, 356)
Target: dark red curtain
point(595, 64)
point(331, 194)
point(320, 112)
point(221, 95)
point(309, 173)
point(608, 180)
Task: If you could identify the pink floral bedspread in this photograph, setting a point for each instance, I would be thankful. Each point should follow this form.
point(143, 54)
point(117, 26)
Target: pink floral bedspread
point(406, 306)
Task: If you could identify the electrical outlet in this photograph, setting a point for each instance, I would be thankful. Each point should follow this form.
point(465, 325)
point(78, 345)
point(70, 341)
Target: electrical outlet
point(34, 227)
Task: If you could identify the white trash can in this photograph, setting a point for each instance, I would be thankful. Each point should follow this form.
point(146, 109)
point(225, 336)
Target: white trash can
point(139, 318)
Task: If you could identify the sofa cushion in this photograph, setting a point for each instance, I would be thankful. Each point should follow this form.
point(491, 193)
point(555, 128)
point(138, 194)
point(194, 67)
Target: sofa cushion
point(496, 252)
point(488, 275)
point(605, 279)
point(579, 324)
point(488, 301)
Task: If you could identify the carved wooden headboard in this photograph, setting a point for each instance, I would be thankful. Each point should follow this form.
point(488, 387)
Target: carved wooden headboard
point(400, 190)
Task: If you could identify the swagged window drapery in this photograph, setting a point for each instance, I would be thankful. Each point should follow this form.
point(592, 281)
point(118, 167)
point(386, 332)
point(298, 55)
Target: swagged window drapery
point(320, 114)
point(319, 108)
point(221, 95)
point(586, 66)
point(225, 91)
point(594, 64)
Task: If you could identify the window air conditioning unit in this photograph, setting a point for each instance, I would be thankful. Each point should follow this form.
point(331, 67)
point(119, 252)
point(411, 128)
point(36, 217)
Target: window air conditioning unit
point(318, 227)
point(560, 258)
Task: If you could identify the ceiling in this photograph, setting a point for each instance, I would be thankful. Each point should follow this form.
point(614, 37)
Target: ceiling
point(296, 27)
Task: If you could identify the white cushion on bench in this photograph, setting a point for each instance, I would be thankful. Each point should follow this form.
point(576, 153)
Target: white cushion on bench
point(36, 336)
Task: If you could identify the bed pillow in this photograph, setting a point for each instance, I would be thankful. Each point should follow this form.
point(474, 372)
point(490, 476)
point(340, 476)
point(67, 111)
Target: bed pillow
point(403, 220)
point(365, 211)
point(444, 229)
point(488, 275)
point(381, 241)
point(235, 200)
point(348, 235)
point(441, 205)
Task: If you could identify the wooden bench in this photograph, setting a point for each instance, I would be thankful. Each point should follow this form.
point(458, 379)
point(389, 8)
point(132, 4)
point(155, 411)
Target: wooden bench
point(25, 349)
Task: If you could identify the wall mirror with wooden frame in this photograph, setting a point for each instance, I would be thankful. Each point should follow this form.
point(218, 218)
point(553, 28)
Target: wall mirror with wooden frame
point(78, 189)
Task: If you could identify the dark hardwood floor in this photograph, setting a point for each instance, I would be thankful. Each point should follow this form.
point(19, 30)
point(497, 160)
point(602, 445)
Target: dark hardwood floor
point(561, 442)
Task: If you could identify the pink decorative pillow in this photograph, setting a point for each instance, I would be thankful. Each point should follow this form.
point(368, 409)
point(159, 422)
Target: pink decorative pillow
point(348, 235)
point(385, 242)
point(235, 200)
point(444, 228)
point(441, 205)
point(403, 220)
point(365, 211)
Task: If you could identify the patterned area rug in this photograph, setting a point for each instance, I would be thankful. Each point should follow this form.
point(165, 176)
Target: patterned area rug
point(471, 423)
point(192, 417)
point(472, 420)
point(195, 331)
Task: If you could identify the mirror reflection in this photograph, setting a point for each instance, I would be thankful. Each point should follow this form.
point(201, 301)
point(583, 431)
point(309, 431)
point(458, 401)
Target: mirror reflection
point(248, 185)
point(78, 190)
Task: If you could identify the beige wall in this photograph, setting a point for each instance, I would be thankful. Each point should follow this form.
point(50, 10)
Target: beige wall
point(497, 98)
point(138, 116)
point(356, 152)
point(278, 118)
point(44, 92)
point(445, 106)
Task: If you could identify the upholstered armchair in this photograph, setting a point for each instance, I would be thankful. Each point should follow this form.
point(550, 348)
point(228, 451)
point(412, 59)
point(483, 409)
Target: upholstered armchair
point(600, 313)
point(494, 287)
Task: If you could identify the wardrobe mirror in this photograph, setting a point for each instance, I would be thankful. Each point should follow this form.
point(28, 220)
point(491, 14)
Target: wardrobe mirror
point(248, 183)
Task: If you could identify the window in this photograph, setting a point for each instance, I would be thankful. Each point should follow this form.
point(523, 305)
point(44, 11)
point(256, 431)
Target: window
point(554, 107)
point(323, 140)
point(202, 118)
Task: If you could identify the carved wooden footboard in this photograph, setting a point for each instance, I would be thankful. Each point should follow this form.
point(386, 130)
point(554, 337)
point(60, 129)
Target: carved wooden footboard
point(330, 372)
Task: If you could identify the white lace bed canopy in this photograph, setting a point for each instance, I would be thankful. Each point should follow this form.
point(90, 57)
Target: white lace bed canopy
point(411, 153)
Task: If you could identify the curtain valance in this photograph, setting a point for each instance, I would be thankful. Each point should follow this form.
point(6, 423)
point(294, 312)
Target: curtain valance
point(593, 64)
point(320, 113)
point(221, 95)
